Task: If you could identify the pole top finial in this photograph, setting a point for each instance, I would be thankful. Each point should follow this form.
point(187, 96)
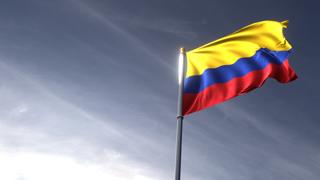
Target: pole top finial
point(182, 50)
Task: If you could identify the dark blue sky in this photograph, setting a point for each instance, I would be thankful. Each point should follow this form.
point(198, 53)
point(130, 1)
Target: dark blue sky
point(88, 90)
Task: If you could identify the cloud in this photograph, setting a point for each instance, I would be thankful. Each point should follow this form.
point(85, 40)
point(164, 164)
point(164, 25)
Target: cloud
point(43, 136)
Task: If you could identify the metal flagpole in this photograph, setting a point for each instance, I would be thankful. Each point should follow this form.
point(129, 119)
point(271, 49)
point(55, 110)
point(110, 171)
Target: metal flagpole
point(182, 69)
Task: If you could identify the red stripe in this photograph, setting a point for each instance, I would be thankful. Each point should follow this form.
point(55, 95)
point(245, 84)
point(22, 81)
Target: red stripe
point(218, 93)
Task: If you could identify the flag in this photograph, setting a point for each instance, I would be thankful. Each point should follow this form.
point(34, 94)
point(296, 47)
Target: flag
point(236, 64)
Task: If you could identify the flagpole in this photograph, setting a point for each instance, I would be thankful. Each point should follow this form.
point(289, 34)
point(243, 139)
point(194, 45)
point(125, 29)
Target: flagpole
point(182, 69)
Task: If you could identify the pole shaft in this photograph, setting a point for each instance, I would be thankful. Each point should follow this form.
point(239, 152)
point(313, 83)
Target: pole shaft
point(182, 65)
point(179, 147)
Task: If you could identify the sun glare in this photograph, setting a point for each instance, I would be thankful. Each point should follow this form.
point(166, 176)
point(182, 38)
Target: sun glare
point(34, 166)
point(180, 68)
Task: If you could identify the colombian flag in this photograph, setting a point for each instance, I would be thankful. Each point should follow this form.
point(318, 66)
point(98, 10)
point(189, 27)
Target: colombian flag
point(236, 64)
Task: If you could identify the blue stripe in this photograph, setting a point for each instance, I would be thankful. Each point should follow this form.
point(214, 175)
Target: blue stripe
point(243, 66)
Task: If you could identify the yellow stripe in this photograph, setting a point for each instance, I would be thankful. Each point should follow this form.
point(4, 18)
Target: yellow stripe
point(240, 44)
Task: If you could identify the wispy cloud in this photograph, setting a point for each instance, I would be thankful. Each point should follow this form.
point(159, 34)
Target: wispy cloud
point(177, 27)
point(138, 44)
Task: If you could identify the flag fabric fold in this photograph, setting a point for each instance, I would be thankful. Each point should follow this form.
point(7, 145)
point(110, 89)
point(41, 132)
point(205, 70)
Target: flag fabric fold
point(236, 64)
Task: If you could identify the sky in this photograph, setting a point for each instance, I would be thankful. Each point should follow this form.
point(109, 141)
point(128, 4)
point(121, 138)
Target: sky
point(88, 90)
